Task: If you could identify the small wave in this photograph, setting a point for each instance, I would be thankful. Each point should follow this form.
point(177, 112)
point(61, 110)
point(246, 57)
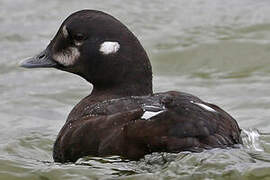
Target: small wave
point(251, 139)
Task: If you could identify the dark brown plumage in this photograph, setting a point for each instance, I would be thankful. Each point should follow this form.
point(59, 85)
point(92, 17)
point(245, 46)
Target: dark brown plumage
point(122, 115)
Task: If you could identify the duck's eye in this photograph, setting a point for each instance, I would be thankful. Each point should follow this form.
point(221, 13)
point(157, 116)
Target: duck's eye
point(78, 37)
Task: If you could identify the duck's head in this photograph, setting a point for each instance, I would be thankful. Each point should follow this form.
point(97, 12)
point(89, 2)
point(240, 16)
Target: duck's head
point(99, 48)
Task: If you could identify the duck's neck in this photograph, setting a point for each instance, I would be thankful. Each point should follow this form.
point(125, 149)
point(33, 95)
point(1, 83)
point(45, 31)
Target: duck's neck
point(132, 89)
point(103, 93)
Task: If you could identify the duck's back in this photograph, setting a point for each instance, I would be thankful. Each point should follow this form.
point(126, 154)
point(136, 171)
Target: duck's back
point(137, 125)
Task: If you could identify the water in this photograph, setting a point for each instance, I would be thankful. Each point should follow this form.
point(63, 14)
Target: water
point(215, 49)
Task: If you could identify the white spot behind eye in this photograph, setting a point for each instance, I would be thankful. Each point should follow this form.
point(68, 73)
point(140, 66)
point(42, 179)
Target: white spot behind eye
point(109, 47)
point(67, 56)
point(65, 32)
point(204, 106)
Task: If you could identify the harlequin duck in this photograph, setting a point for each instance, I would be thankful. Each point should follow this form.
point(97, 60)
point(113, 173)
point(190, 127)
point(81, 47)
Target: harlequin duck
point(122, 116)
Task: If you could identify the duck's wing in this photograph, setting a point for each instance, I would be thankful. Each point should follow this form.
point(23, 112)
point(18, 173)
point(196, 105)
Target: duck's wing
point(184, 123)
point(94, 135)
point(168, 122)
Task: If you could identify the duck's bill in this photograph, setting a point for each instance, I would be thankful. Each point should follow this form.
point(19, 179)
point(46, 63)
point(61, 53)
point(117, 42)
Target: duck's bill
point(41, 60)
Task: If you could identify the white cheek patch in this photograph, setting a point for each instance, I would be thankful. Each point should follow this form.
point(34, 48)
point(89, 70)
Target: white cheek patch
point(65, 32)
point(67, 57)
point(109, 47)
point(204, 106)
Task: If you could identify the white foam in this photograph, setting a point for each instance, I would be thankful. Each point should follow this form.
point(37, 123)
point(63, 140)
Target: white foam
point(109, 47)
point(252, 139)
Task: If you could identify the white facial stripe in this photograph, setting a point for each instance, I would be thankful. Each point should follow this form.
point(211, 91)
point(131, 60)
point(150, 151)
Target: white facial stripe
point(65, 32)
point(204, 106)
point(67, 57)
point(109, 47)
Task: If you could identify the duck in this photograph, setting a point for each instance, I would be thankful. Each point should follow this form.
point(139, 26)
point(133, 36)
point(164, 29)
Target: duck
point(122, 116)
